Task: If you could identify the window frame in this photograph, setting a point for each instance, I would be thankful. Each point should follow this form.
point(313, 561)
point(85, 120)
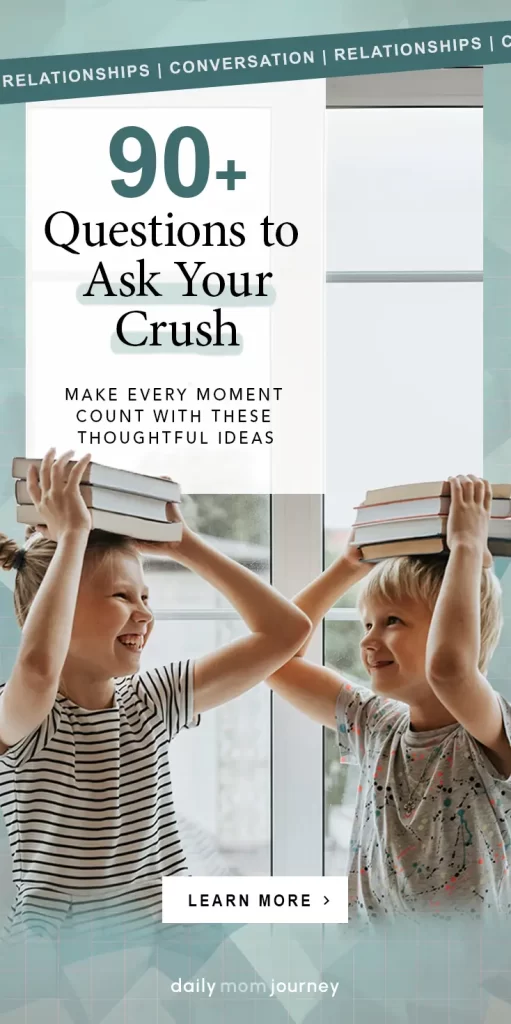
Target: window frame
point(447, 88)
point(297, 532)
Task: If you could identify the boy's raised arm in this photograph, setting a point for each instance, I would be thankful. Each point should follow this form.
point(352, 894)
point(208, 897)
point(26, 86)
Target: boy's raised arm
point(314, 689)
point(318, 597)
point(452, 655)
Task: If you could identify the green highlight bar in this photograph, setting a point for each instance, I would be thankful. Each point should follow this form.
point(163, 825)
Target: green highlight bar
point(119, 72)
point(172, 295)
point(167, 345)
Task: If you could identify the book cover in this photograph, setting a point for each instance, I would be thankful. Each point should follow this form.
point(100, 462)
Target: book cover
point(262, 251)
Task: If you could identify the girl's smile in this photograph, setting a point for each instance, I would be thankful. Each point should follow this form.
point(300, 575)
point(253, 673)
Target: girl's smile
point(112, 607)
point(133, 641)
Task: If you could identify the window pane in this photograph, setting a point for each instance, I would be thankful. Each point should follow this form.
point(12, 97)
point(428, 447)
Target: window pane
point(399, 409)
point(342, 654)
point(236, 524)
point(405, 189)
point(221, 770)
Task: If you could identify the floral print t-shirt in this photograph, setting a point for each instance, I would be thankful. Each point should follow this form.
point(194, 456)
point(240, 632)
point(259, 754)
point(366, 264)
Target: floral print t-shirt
point(432, 825)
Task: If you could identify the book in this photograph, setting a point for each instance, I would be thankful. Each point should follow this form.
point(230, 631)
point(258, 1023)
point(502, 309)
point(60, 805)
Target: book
point(113, 522)
point(425, 526)
point(435, 506)
point(433, 489)
point(106, 500)
point(115, 479)
point(400, 548)
point(424, 546)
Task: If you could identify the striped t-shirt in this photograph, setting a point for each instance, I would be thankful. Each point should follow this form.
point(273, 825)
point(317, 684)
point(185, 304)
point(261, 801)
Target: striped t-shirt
point(87, 802)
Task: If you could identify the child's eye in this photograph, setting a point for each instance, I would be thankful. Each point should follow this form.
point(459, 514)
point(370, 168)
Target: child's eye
point(121, 594)
point(392, 619)
point(368, 626)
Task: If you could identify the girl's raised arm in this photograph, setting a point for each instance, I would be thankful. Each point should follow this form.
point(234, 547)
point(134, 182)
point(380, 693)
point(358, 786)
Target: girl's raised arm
point(277, 627)
point(29, 694)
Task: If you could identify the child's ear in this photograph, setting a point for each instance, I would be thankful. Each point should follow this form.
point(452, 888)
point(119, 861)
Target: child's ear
point(42, 530)
point(487, 559)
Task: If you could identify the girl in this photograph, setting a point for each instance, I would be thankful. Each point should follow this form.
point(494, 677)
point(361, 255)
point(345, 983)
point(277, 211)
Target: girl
point(84, 776)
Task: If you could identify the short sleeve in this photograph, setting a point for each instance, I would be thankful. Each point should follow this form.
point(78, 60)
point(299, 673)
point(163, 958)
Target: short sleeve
point(170, 689)
point(482, 758)
point(362, 719)
point(26, 748)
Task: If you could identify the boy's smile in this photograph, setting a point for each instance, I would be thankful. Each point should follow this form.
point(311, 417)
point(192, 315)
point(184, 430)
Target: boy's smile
point(393, 649)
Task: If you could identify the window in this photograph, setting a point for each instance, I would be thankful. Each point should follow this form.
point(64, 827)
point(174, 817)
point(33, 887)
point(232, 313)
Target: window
point(404, 311)
point(221, 771)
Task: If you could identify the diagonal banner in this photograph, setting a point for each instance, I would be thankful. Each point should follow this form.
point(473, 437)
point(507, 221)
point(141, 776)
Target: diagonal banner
point(118, 72)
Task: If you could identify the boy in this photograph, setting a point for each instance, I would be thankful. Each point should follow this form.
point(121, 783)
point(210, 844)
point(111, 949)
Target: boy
point(432, 824)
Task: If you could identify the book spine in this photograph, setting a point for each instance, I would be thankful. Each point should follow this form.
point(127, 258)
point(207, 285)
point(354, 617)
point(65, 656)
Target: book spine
point(20, 467)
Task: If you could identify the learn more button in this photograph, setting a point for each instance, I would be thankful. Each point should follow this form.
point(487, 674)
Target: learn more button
point(257, 900)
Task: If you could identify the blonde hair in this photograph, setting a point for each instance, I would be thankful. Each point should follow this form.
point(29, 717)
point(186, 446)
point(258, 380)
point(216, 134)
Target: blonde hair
point(32, 561)
point(420, 580)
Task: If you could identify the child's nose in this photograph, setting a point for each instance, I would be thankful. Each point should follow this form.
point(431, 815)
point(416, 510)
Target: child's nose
point(143, 614)
point(369, 640)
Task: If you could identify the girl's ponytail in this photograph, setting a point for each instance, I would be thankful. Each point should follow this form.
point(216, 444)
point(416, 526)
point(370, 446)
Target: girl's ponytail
point(10, 553)
point(32, 561)
point(30, 564)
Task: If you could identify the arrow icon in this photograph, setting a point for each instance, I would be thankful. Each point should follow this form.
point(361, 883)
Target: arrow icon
point(326, 900)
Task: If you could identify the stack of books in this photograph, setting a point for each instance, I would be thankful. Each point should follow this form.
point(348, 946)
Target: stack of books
point(131, 504)
point(411, 519)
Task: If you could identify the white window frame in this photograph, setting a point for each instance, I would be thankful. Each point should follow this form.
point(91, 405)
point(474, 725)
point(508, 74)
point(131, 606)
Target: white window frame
point(297, 525)
point(297, 742)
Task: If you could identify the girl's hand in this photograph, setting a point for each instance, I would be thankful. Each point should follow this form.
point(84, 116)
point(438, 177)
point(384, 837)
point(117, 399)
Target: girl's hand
point(55, 492)
point(172, 547)
point(469, 515)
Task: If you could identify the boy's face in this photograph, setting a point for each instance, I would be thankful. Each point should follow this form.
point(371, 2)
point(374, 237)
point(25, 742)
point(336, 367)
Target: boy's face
point(393, 647)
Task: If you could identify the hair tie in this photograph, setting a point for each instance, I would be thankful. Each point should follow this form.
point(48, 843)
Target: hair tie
point(19, 559)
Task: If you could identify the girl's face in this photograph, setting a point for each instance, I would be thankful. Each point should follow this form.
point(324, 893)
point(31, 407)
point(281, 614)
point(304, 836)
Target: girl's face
point(112, 620)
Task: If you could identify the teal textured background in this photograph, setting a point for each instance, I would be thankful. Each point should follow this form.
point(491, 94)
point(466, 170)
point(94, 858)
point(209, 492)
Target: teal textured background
point(497, 318)
point(30, 28)
point(412, 975)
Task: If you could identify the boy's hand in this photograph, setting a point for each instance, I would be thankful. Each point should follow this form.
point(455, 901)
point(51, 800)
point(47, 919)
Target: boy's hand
point(469, 515)
point(352, 555)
